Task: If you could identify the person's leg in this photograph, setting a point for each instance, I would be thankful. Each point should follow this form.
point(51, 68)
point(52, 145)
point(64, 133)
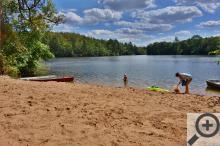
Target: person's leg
point(125, 83)
point(187, 86)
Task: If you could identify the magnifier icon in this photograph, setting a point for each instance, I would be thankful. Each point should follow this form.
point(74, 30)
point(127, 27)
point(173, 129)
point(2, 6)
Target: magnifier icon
point(207, 126)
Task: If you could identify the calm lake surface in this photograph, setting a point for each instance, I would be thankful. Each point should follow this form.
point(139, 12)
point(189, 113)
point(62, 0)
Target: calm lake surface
point(142, 71)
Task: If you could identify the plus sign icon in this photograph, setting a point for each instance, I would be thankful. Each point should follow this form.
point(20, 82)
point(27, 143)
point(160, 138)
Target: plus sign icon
point(203, 129)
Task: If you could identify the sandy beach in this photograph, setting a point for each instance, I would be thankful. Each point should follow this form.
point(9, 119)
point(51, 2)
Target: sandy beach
point(58, 114)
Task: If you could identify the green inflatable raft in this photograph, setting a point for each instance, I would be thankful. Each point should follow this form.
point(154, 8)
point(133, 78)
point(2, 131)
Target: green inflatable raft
point(157, 89)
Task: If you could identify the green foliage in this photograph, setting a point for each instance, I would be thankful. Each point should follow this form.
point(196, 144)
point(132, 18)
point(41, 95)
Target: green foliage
point(194, 46)
point(42, 69)
point(1, 63)
point(71, 45)
point(216, 52)
point(12, 71)
point(26, 23)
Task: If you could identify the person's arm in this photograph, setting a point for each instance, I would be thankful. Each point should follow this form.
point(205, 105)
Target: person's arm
point(179, 83)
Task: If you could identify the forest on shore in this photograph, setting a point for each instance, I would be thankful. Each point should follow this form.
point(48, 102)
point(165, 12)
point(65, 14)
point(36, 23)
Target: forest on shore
point(75, 45)
point(193, 46)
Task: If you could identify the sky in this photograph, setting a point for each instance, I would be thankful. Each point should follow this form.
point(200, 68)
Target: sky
point(140, 21)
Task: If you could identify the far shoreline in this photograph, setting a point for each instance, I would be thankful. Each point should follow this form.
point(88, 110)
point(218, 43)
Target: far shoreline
point(131, 55)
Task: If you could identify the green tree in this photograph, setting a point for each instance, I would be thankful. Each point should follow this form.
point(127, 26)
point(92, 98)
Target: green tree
point(27, 21)
point(193, 46)
point(176, 39)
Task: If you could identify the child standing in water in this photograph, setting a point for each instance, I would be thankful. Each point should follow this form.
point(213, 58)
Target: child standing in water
point(125, 79)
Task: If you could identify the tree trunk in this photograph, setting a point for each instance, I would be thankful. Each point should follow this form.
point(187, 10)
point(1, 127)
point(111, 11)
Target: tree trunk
point(1, 25)
point(1, 39)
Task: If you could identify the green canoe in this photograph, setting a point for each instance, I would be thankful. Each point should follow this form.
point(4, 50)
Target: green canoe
point(158, 89)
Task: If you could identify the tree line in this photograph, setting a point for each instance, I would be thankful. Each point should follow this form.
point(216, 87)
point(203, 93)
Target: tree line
point(193, 46)
point(75, 45)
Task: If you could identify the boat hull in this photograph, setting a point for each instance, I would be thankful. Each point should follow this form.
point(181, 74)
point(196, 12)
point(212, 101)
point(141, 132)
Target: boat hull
point(50, 79)
point(213, 84)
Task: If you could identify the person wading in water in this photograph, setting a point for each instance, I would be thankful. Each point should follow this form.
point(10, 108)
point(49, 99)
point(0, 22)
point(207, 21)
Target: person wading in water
point(125, 79)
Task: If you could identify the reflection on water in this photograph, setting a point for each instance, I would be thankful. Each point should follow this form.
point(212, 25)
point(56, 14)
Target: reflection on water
point(213, 91)
point(142, 71)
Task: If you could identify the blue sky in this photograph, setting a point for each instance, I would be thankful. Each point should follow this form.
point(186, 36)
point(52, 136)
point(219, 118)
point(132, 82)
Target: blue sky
point(140, 21)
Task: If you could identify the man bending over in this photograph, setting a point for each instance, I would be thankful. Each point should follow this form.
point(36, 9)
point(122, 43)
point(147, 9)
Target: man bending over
point(185, 80)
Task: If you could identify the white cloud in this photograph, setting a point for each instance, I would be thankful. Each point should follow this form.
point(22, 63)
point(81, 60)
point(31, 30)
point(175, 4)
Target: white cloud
point(210, 24)
point(120, 5)
point(183, 33)
point(122, 31)
point(96, 15)
point(64, 28)
point(71, 17)
point(99, 32)
point(162, 39)
point(161, 20)
point(92, 16)
point(169, 15)
point(123, 35)
point(130, 31)
point(207, 5)
point(147, 27)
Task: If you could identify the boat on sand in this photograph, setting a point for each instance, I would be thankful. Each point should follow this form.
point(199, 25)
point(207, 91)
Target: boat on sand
point(50, 78)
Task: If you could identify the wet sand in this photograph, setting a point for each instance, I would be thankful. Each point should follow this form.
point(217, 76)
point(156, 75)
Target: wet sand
point(55, 114)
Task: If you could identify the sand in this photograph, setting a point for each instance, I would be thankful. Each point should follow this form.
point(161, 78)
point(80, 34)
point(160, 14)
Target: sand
point(58, 114)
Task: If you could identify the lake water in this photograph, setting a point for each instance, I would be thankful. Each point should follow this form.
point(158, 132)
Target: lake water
point(142, 71)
